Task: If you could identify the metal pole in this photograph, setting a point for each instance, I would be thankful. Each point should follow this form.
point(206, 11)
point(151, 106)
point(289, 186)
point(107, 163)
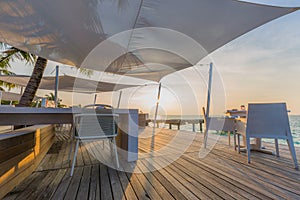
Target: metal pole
point(95, 99)
point(119, 101)
point(156, 109)
point(56, 86)
point(209, 89)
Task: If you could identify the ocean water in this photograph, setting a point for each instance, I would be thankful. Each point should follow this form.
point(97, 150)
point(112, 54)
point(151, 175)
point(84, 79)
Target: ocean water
point(294, 124)
point(295, 128)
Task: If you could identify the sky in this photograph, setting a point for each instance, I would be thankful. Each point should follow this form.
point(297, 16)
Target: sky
point(263, 65)
point(260, 66)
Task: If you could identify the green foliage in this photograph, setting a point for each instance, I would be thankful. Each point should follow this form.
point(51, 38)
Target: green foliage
point(10, 54)
point(51, 97)
point(4, 102)
point(34, 103)
point(86, 72)
point(5, 84)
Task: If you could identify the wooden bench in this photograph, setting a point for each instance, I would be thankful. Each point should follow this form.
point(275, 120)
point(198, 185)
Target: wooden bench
point(178, 122)
point(21, 152)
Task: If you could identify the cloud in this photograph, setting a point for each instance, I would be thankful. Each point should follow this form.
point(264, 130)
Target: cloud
point(263, 65)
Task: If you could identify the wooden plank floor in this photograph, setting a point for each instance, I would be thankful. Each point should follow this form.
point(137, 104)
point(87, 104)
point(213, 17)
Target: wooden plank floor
point(222, 174)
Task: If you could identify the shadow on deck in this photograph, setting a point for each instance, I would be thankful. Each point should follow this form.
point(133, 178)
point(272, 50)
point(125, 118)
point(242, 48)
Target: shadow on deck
point(223, 174)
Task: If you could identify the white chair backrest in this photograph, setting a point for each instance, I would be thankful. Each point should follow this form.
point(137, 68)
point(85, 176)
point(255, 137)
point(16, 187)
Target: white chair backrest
point(267, 120)
point(96, 125)
point(220, 124)
point(240, 127)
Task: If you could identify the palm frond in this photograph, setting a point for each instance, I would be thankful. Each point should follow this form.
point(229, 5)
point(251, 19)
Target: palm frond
point(28, 57)
point(50, 96)
point(8, 55)
point(6, 72)
point(4, 46)
point(9, 86)
point(11, 54)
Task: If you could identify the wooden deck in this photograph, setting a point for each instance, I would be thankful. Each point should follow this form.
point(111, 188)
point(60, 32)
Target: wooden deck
point(222, 174)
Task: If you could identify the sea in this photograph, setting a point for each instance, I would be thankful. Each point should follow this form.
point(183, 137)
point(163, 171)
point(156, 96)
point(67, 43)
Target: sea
point(294, 124)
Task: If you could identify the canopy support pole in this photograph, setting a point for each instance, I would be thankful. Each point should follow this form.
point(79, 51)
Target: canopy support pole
point(156, 109)
point(206, 114)
point(119, 100)
point(209, 90)
point(56, 86)
point(95, 99)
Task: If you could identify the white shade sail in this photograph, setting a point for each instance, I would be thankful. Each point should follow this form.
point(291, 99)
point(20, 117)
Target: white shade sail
point(67, 84)
point(9, 96)
point(161, 36)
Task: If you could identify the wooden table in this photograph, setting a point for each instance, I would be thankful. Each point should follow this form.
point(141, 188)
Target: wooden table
point(128, 123)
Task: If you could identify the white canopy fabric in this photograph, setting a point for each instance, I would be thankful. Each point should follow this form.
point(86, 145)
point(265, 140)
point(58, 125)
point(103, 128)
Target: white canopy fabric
point(67, 84)
point(161, 36)
point(9, 96)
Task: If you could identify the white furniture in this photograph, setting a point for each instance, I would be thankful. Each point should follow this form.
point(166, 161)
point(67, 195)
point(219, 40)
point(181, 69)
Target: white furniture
point(240, 129)
point(127, 138)
point(218, 124)
point(235, 113)
point(92, 126)
point(268, 120)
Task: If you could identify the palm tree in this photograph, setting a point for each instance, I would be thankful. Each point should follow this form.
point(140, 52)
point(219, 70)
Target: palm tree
point(34, 82)
point(10, 54)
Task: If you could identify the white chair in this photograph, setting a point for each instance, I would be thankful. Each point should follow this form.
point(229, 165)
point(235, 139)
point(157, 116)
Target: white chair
point(218, 124)
point(240, 129)
point(93, 126)
point(269, 120)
